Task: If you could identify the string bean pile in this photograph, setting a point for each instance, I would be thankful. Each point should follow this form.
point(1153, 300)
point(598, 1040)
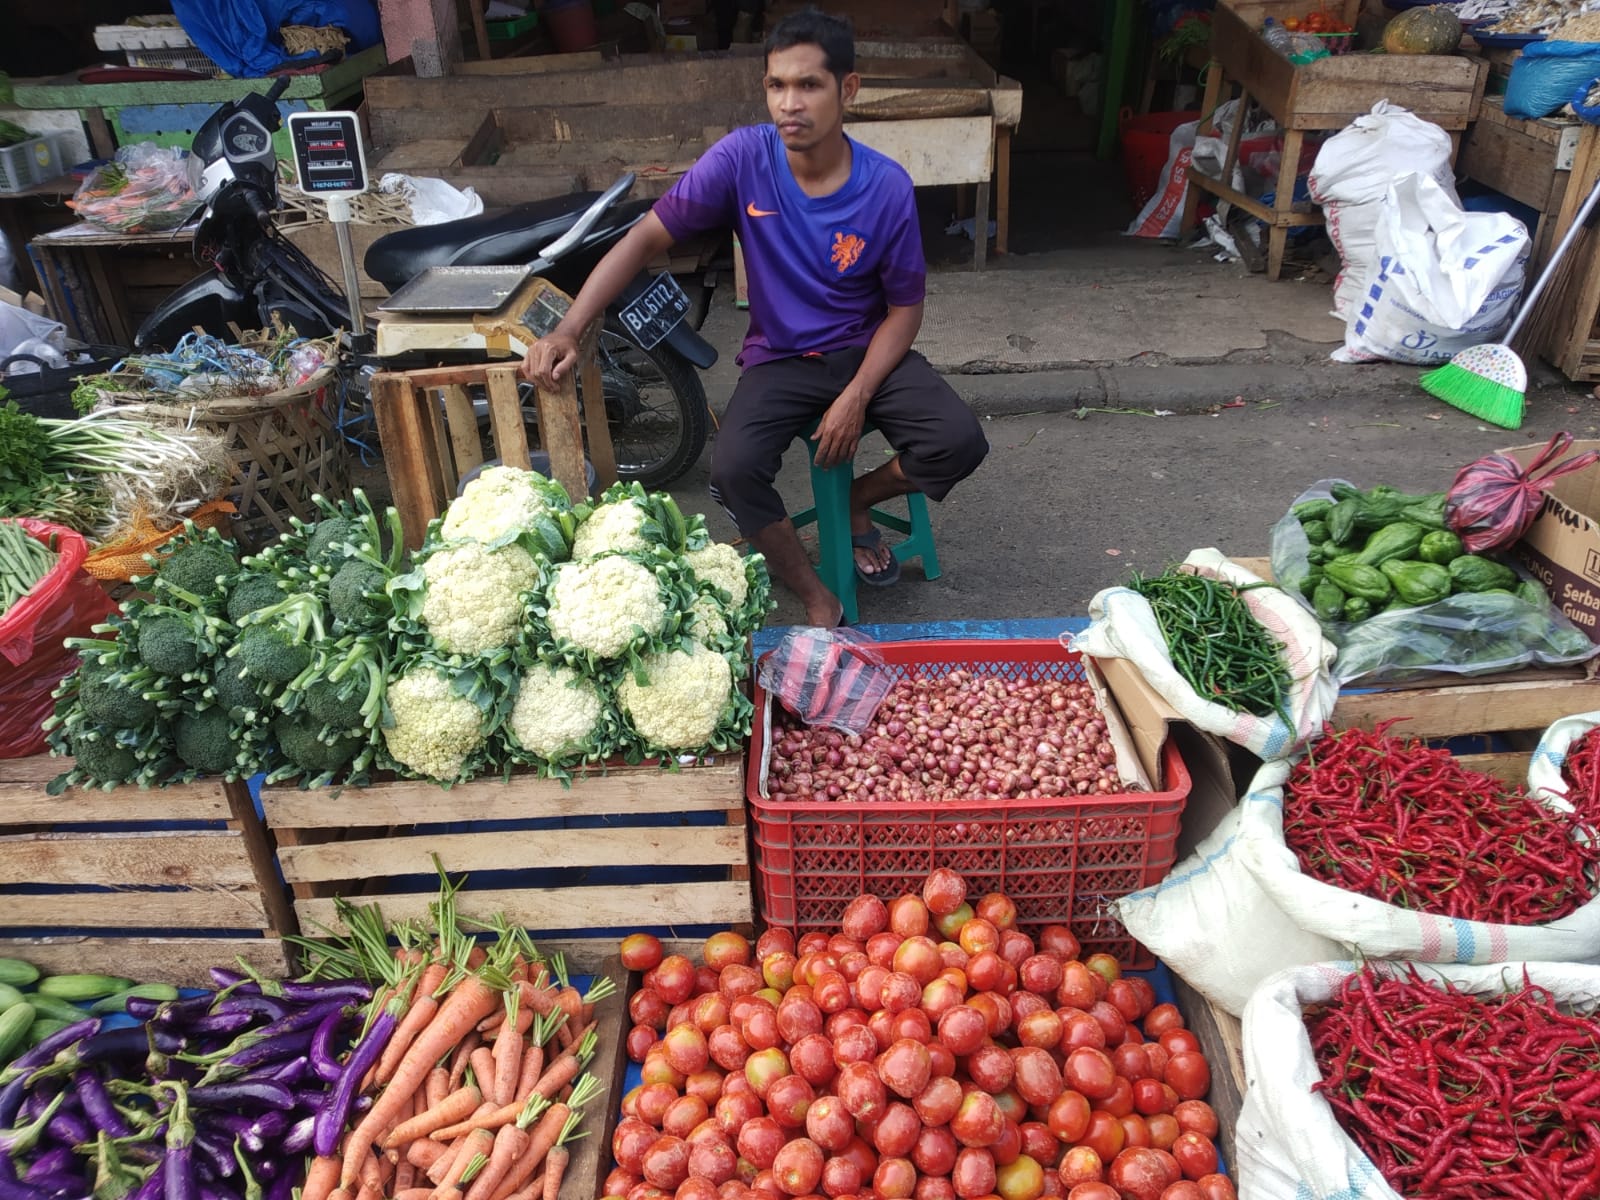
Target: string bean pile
point(1218, 647)
point(24, 561)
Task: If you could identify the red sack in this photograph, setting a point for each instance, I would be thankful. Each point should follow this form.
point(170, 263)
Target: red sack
point(1494, 500)
point(68, 602)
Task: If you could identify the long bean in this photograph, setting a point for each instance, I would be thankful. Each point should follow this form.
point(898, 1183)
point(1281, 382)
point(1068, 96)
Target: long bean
point(24, 561)
point(1216, 644)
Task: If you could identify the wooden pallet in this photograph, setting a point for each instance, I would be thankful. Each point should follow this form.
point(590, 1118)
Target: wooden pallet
point(379, 843)
point(103, 870)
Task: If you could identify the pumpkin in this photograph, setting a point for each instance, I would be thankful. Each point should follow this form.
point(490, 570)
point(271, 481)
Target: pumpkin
point(1432, 30)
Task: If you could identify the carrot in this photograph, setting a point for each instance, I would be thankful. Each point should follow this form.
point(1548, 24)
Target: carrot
point(531, 1190)
point(483, 1067)
point(321, 1178)
point(405, 1175)
point(510, 1145)
point(476, 957)
point(424, 1005)
point(471, 1000)
point(370, 1173)
point(518, 1153)
point(571, 1003)
point(340, 1194)
point(446, 1193)
point(507, 1055)
point(370, 1191)
point(457, 1106)
point(555, 1169)
point(440, 1167)
point(414, 1193)
point(461, 1059)
point(437, 1087)
point(424, 1152)
point(528, 1072)
point(477, 1145)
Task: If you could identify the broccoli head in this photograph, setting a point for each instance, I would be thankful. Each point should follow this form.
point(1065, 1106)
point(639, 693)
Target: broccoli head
point(166, 645)
point(268, 654)
point(113, 704)
point(327, 707)
point(233, 689)
point(203, 740)
point(250, 593)
point(347, 593)
point(297, 738)
point(196, 568)
point(101, 759)
point(328, 536)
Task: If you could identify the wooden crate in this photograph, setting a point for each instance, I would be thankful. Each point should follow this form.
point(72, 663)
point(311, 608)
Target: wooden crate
point(94, 877)
point(379, 842)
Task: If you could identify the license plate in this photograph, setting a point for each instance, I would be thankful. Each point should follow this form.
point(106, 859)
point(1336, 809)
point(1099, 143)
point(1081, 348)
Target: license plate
point(657, 312)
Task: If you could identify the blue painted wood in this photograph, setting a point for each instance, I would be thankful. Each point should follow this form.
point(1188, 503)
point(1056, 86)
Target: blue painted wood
point(1024, 627)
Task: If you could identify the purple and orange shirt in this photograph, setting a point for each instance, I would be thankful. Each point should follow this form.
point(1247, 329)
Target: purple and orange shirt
point(823, 270)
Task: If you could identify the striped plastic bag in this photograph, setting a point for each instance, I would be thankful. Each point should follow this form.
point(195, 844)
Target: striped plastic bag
point(828, 677)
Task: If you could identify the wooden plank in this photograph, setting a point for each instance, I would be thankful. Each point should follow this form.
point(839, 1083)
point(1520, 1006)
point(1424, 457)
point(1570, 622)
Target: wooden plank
point(558, 908)
point(181, 961)
point(466, 446)
point(935, 152)
point(649, 845)
point(1510, 767)
point(1508, 160)
point(602, 454)
point(1221, 1042)
point(713, 787)
point(24, 802)
point(206, 908)
point(534, 64)
point(433, 410)
point(480, 28)
point(561, 434)
point(708, 76)
point(400, 433)
point(484, 145)
point(591, 1155)
point(505, 419)
point(259, 850)
point(200, 859)
point(1468, 707)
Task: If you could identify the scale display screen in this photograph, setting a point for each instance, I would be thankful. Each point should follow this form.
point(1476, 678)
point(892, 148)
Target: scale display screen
point(328, 154)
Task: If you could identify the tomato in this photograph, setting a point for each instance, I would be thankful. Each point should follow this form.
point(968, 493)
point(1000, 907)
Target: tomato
point(1091, 1072)
point(1022, 1179)
point(1105, 1135)
point(1068, 1117)
point(1081, 1165)
point(1189, 1075)
point(1183, 1190)
point(1196, 1155)
point(1131, 1061)
point(1198, 1116)
point(1164, 1130)
point(1151, 1096)
point(1093, 1191)
point(1135, 1133)
point(1179, 1041)
point(1161, 1019)
point(1217, 1187)
point(641, 951)
point(1124, 997)
point(943, 892)
point(1120, 1102)
point(1104, 965)
point(1138, 1174)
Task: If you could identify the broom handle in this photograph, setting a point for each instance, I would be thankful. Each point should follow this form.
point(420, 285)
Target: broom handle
point(1555, 259)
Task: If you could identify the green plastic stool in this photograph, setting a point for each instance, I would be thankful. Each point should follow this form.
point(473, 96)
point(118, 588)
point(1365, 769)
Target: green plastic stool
point(830, 512)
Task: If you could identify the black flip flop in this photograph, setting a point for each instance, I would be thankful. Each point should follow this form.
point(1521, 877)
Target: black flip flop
point(872, 540)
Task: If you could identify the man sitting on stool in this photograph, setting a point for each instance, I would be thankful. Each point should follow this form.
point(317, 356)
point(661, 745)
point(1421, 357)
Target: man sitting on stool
point(837, 278)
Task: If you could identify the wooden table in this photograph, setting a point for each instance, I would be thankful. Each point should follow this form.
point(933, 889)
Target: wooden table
point(1323, 95)
point(101, 284)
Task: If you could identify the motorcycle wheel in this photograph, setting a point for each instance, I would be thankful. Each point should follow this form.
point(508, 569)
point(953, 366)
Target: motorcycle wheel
point(655, 407)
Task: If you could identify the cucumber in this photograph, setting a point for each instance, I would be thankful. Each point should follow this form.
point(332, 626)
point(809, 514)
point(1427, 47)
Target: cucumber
point(14, 1025)
point(54, 1007)
point(82, 987)
point(144, 991)
point(9, 997)
point(17, 973)
point(43, 1027)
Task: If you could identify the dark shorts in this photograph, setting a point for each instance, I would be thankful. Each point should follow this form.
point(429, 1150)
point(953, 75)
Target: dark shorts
point(939, 440)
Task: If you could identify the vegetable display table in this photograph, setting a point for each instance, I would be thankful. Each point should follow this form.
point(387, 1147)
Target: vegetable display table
point(1323, 95)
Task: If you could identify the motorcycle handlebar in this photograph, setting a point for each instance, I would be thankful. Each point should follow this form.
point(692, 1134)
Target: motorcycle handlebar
point(278, 89)
point(257, 209)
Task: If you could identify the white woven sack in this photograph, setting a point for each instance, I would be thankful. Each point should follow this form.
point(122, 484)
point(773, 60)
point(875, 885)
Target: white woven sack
point(1123, 626)
point(1372, 929)
point(1210, 922)
point(1289, 1145)
point(1544, 769)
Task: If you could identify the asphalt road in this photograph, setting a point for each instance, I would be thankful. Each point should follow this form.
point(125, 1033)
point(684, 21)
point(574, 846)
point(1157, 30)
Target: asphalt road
point(1066, 505)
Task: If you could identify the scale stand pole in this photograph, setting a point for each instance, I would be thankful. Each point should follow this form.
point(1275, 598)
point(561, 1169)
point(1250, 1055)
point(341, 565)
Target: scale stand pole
point(339, 214)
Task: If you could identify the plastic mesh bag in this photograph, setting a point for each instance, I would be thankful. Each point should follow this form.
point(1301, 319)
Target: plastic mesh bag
point(1494, 500)
point(145, 188)
point(829, 677)
point(65, 603)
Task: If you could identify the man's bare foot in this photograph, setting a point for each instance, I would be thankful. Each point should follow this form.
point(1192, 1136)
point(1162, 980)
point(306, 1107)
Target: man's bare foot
point(829, 614)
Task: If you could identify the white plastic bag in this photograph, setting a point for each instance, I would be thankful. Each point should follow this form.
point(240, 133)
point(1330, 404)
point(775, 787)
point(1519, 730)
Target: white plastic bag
point(1289, 1145)
point(146, 188)
point(1443, 279)
point(1352, 174)
point(1545, 779)
point(1162, 214)
point(1122, 625)
point(1210, 921)
point(433, 201)
point(18, 325)
point(1375, 929)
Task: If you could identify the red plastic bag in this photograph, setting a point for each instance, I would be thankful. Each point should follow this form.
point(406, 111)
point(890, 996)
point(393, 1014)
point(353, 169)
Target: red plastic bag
point(68, 602)
point(828, 677)
point(1494, 500)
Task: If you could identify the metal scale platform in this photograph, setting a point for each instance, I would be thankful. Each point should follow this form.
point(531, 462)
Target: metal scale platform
point(495, 310)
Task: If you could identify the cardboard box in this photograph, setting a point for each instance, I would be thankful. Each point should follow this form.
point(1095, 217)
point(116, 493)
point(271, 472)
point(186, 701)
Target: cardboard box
point(1562, 546)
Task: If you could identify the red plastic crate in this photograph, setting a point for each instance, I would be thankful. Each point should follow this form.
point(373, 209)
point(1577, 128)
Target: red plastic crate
point(1060, 860)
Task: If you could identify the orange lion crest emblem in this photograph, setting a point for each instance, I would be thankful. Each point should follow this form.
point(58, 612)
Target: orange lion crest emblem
point(847, 249)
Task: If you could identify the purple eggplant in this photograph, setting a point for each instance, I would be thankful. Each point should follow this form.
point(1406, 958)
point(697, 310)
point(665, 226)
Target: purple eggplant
point(225, 977)
point(335, 1110)
point(177, 1014)
point(22, 1138)
point(12, 1098)
point(51, 1162)
point(108, 1046)
point(261, 1006)
point(217, 1150)
point(97, 1105)
point(290, 1073)
point(298, 1137)
point(12, 1188)
point(272, 1049)
point(334, 989)
point(47, 1049)
point(282, 1187)
point(221, 1024)
point(264, 1130)
point(141, 1008)
point(254, 1093)
point(154, 1185)
point(63, 1184)
point(323, 1060)
point(304, 1018)
point(180, 1183)
point(211, 1191)
point(69, 1128)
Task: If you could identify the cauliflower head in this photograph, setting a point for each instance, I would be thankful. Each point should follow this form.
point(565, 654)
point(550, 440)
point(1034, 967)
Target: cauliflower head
point(706, 622)
point(556, 713)
point(616, 526)
point(720, 565)
point(473, 598)
point(435, 730)
point(603, 605)
point(683, 702)
point(498, 504)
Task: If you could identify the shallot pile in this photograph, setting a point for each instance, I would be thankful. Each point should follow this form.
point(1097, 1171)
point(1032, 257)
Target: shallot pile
point(957, 736)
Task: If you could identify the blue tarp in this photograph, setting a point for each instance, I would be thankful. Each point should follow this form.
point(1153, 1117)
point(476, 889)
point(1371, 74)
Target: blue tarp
point(241, 36)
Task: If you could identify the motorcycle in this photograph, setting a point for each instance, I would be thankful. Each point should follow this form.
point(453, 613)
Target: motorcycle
point(648, 349)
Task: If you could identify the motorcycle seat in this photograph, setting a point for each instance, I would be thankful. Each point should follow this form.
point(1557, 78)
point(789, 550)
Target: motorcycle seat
point(512, 235)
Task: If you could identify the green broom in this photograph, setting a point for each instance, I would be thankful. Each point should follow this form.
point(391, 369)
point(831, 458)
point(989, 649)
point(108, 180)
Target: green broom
point(1490, 381)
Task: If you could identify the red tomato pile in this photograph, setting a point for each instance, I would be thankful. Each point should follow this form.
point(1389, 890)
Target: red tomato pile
point(928, 1051)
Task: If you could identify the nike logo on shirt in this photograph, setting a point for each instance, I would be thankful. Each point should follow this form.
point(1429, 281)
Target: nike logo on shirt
point(756, 212)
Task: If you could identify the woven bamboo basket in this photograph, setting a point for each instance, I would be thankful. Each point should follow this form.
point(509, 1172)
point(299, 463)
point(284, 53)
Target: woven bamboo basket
point(283, 448)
